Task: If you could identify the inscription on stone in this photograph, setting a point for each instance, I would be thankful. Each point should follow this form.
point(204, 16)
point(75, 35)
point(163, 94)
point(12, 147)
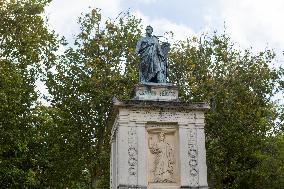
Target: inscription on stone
point(147, 93)
point(167, 93)
point(166, 115)
point(154, 93)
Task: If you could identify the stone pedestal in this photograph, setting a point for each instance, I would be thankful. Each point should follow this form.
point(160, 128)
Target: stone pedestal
point(156, 92)
point(158, 142)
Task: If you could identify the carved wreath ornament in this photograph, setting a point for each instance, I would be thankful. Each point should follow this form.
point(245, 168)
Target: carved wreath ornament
point(132, 154)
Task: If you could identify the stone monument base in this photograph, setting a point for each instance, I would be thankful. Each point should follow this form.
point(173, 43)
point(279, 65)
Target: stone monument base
point(158, 142)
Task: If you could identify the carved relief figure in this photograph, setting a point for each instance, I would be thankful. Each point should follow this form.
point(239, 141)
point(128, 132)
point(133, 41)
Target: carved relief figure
point(164, 159)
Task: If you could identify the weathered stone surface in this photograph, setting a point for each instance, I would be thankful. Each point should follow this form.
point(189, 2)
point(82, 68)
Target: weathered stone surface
point(150, 134)
point(170, 105)
point(163, 156)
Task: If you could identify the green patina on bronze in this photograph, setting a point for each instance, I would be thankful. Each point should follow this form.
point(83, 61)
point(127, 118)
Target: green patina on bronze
point(153, 55)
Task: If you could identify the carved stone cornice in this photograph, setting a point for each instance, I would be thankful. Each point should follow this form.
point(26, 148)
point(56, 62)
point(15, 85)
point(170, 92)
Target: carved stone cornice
point(162, 104)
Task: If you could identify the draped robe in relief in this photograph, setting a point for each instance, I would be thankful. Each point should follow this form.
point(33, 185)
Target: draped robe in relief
point(163, 165)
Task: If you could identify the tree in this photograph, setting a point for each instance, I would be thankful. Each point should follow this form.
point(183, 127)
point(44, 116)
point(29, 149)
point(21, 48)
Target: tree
point(25, 45)
point(239, 85)
point(66, 145)
point(100, 66)
point(270, 169)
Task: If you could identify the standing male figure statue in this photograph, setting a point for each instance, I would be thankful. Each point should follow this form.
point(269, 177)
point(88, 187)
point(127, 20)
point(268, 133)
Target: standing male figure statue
point(153, 65)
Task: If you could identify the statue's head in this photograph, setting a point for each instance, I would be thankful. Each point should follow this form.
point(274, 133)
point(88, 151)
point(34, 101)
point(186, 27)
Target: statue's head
point(162, 136)
point(149, 30)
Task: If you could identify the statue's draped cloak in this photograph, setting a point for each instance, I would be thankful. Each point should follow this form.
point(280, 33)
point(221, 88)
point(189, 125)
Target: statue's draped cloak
point(152, 60)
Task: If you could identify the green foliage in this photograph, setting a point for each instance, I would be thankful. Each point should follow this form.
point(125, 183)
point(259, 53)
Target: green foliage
point(25, 39)
point(66, 145)
point(101, 65)
point(25, 44)
point(270, 171)
point(15, 102)
point(239, 85)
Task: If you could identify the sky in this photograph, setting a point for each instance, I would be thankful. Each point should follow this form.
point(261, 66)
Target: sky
point(250, 23)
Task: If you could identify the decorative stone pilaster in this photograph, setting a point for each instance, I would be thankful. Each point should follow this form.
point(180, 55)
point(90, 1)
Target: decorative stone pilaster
point(192, 158)
point(132, 156)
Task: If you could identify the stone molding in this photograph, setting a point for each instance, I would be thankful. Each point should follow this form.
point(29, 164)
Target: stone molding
point(122, 186)
point(194, 187)
point(163, 104)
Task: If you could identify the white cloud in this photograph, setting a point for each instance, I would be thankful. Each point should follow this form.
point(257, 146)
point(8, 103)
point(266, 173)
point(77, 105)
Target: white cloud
point(256, 23)
point(110, 8)
point(250, 23)
point(63, 14)
point(162, 25)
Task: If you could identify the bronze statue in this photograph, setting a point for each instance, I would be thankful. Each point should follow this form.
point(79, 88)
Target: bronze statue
point(153, 65)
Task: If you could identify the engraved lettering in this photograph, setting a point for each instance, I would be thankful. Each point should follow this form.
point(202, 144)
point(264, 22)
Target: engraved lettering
point(147, 93)
point(167, 93)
